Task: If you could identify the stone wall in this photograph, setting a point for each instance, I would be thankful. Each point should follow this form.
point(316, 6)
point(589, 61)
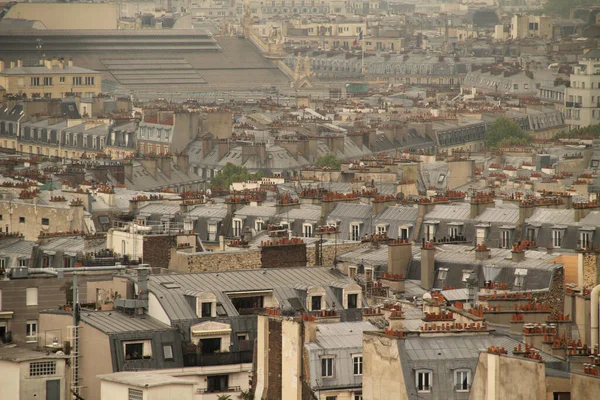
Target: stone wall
point(157, 250)
point(589, 270)
point(284, 256)
point(225, 261)
point(329, 252)
point(554, 296)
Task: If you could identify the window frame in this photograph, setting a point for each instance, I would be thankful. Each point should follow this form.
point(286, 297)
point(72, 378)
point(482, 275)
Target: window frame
point(327, 366)
point(31, 296)
point(460, 383)
point(423, 372)
point(165, 347)
point(31, 334)
point(357, 364)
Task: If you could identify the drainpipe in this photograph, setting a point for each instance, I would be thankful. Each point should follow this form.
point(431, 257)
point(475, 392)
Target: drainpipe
point(594, 309)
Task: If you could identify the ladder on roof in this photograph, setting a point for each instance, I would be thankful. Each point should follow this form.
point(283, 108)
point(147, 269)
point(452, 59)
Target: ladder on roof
point(73, 337)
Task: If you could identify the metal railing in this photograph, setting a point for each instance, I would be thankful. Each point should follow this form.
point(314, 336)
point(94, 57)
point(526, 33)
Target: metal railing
point(210, 359)
point(228, 389)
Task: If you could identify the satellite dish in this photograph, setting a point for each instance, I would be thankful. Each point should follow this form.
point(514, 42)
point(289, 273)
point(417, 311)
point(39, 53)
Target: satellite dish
point(427, 296)
point(351, 166)
point(208, 192)
point(400, 196)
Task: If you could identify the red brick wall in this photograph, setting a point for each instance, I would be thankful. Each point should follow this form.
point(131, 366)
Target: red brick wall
point(275, 360)
point(157, 250)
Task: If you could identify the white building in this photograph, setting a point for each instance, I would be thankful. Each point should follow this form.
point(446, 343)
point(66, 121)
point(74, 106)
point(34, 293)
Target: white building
point(582, 99)
point(145, 386)
point(28, 374)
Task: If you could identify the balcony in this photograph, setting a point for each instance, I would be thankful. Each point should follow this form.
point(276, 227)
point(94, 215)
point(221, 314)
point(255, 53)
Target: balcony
point(211, 359)
point(230, 389)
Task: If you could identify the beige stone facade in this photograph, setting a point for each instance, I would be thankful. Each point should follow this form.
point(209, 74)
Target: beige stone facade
point(51, 79)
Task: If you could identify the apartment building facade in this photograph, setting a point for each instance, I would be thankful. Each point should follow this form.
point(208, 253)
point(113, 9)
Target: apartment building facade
point(582, 98)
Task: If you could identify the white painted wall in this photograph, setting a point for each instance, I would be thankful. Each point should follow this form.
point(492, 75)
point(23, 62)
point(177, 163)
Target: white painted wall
point(156, 310)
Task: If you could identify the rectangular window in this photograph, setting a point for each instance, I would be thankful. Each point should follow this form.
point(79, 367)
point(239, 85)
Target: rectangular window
point(462, 380)
point(35, 81)
point(168, 352)
point(506, 242)
point(31, 331)
point(423, 381)
point(45, 221)
point(206, 310)
point(31, 297)
point(586, 240)
point(77, 81)
point(21, 220)
point(23, 262)
point(357, 364)
point(327, 367)
point(352, 301)
point(354, 232)
point(48, 81)
point(217, 383)
point(315, 303)
point(42, 368)
point(134, 351)
point(307, 230)
point(89, 80)
point(381, 229)
point(557, 238)
point(237, 227)
point(62, 79)
point(520, 275)
point(442, 274)
point(135, 394)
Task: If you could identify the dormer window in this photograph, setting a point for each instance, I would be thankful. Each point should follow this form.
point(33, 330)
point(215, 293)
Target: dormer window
point(520, 275)
point(557, 236)
point(355, 231)
point(482, 232)
point(430, 230)
point(382, 229)
point(586, 236)
point(259, 225)
point(455, 230)
point(442, 274)
point(404, 232)
point(307, 230)
point(238, 225)
point(465, 274)
point(506, 234)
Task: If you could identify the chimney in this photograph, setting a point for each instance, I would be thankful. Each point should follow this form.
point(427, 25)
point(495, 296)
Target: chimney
point(518, 254)
point(310, 331)
point(183, 162)
point(479, 205)
point(399, 256)
point(70, 62)
point(12, 64)
point(2, 66)
point(142, 273)
point(222, 148)
point(427, 266)
point(482, 253)
point(525, 211)
point(165, 165)
point(19, 63)
point(151, 165)
point(207, 145)
point(128, 170)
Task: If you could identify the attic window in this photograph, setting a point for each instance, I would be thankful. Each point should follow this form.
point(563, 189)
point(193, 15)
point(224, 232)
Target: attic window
point(520, 275)
point(442, 274)
point(170, 285)
point(465, 274)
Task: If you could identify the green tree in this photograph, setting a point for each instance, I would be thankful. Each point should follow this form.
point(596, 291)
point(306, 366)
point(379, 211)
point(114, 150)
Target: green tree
point(329, 160)
point(505, 132)
point(223, 397)
point(232, 173)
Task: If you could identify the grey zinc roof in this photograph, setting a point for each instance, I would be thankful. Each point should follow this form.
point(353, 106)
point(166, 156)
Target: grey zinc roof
point(305, 213)
point(438, 348)
point(340, 335)
point(159, 208)
point(459, 212)
point(116, 322)
point(499, 215)
point(349, 210)
point(552, 216)
point(366, 255)
point(256, 211)
point(592, 219)
point(209, 211)
point(399, 213)
point(281, 281)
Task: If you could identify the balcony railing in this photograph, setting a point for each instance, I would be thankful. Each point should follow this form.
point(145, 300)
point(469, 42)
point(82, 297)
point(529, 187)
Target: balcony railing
point(462, 388)
point(210, 359)
point(219, 390)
